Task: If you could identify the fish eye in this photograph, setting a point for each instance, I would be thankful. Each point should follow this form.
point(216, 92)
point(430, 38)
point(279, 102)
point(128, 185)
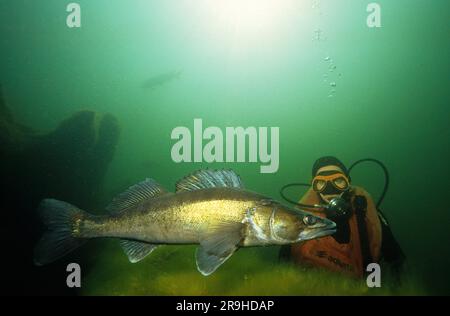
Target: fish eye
point(266, 202)
point(309, 220)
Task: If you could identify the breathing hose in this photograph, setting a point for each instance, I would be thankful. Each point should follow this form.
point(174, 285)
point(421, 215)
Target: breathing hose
point(321, 207)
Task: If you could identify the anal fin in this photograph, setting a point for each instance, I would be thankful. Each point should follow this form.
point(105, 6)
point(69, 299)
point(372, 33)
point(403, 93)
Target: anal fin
point(136, 250)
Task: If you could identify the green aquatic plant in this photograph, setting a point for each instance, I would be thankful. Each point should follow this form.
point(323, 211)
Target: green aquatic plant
point(171, 270)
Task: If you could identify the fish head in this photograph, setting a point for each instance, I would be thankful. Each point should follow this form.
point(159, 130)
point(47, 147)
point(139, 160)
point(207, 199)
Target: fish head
point(289, 225)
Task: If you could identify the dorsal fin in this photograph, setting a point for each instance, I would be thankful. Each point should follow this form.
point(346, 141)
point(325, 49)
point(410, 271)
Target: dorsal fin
point(135, 195)
point(206, 178)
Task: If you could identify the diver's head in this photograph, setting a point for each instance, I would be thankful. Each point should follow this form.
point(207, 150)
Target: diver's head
point(330, 178)
point(289, 225)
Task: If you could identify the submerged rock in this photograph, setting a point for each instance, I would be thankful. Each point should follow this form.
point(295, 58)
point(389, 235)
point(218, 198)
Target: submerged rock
point(12, 134)
point(73, 159)
point(68, 163)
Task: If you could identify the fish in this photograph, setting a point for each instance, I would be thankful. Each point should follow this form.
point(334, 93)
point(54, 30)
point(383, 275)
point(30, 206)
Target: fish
point(210, 208)
point(161, 79)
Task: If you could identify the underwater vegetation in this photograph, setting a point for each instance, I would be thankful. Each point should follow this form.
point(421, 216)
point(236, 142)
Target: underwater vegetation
point(170, 270)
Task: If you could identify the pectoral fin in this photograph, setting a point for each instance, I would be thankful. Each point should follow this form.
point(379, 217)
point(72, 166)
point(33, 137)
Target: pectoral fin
point(219, 245)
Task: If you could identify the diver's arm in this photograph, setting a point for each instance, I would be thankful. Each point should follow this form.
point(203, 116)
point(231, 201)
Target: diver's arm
point(391, 252)
point(363, 202)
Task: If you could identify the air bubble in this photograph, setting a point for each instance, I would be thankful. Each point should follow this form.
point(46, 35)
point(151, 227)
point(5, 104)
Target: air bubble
point(318, 35)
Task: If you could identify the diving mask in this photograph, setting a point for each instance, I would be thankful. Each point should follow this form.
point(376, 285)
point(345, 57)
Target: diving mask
point(338, 180)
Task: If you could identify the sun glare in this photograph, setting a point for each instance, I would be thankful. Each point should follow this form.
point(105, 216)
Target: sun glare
point(248, 19)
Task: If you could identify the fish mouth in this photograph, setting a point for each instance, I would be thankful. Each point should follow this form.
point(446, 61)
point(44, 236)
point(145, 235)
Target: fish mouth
point(318, 232)
point(321, 233)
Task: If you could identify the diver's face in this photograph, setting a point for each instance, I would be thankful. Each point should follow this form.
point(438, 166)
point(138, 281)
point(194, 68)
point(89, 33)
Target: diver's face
point(330, 182)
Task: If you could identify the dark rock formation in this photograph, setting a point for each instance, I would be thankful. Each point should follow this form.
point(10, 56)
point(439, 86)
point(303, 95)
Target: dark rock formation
point(69, 164)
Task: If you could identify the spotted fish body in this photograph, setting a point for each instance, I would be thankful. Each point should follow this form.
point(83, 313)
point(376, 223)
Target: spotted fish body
point(209, 208)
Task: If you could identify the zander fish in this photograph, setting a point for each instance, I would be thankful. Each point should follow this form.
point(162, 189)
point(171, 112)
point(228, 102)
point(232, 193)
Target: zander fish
point(210, 208)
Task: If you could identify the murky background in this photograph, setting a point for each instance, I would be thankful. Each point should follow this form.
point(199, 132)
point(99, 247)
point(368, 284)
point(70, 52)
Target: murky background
point(312, 68)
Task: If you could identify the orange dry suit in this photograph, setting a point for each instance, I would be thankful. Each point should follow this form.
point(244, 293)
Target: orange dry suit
point(346, 257)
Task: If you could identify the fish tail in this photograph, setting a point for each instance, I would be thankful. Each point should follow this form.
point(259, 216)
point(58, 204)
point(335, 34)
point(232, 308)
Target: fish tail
point(62, 236)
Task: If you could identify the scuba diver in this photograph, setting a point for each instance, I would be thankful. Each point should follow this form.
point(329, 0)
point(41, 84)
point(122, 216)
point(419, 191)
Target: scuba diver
point(363, 234)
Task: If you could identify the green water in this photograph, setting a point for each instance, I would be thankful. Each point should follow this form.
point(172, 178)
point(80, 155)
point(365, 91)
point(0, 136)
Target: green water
point(269, 64)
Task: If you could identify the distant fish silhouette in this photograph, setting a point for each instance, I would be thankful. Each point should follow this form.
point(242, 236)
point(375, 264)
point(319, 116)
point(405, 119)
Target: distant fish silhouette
point(161, 79)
